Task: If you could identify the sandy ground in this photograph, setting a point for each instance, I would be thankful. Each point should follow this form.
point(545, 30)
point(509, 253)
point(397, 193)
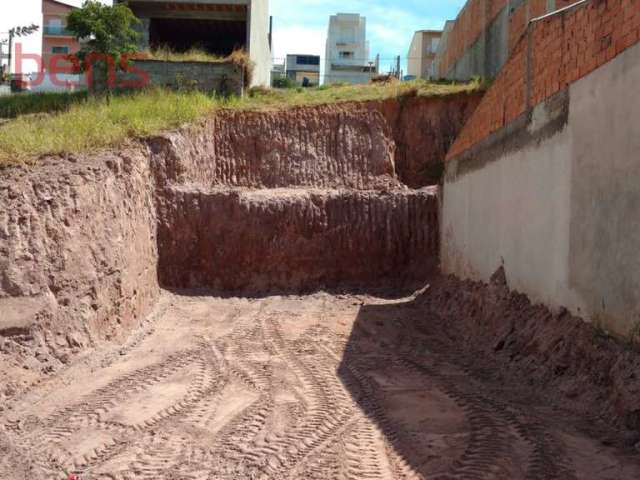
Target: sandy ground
point(324, 386)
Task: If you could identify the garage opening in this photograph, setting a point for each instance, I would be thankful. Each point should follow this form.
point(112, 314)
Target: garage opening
point(217, 37)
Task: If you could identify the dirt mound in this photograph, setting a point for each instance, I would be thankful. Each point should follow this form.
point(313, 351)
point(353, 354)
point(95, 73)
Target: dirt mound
point(568, 361)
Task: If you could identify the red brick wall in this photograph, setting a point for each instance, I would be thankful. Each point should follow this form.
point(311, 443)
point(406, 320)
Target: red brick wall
point(517, 24)
point(472, 21)
point(564, 48)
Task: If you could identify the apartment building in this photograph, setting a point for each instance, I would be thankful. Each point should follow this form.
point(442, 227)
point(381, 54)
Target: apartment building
point(422, 53)
point(304, 69)
point(347, 51)
point(216, 26)
point(56, 39)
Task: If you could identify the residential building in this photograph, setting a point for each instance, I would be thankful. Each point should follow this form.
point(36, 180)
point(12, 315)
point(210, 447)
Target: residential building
point(422, 53)
point(56, 39)
point(304, 69)
point(216, 26)
point(347, 53)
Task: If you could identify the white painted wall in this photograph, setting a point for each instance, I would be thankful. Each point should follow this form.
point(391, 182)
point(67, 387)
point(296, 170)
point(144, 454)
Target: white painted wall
point(562, 213)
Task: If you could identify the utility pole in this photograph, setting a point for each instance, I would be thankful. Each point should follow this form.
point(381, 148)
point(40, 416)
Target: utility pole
point(9, 53)
point(2, 57)
point(398, 67)
point(19, 32)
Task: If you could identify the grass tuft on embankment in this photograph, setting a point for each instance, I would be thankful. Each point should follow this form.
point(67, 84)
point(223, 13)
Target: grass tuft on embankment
point(81, 125)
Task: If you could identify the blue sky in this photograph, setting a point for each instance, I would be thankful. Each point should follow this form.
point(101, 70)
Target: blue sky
point(300, 26)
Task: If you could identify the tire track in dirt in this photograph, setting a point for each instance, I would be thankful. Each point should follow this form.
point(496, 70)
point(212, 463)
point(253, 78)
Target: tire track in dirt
point(90, 417)
point(327, 408)
point(492, 425)
point(282, 395)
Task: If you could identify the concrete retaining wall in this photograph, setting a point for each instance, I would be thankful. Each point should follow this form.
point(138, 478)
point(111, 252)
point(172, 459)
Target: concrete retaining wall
point(554, 197)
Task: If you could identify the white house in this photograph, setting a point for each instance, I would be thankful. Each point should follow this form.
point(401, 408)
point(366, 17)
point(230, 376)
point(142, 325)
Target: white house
point(347, 54)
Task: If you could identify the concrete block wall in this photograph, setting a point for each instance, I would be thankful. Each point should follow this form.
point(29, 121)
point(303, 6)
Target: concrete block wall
point(555, 52)
point(225, 78)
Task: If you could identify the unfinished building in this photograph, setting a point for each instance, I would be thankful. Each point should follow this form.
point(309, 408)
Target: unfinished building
point(217, 26)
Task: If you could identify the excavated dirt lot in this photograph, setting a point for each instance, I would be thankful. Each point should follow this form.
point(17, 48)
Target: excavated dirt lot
point(164, 315)
point(320, 386)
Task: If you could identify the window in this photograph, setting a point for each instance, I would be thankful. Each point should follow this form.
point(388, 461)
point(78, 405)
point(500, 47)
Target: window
point(62, 50)
point(308, 60)
point(346, 54)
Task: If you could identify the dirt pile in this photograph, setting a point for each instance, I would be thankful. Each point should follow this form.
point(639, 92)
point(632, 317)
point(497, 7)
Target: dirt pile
point(565, 360)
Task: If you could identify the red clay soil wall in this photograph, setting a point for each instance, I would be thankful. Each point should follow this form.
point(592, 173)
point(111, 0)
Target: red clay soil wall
point(555, 52)
point(339, 146)
point(351, 145)
point(77, 250)
point(264, 241)
point(424, 128)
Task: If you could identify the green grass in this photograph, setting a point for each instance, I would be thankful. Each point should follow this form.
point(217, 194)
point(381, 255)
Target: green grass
point(96, 122)
point(277, 99)
point(12, 106)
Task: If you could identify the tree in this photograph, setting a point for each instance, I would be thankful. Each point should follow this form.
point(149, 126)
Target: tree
point(107, 33)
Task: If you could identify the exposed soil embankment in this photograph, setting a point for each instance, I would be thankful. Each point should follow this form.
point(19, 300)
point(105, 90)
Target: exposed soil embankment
point(423, 129)
point(291, 200)
point(290, 239)
point(321, 147)
point(352, 145)
point(565, 360)
point(78, 255)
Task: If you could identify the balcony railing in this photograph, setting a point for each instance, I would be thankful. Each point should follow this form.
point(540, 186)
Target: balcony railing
point(57, 31)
